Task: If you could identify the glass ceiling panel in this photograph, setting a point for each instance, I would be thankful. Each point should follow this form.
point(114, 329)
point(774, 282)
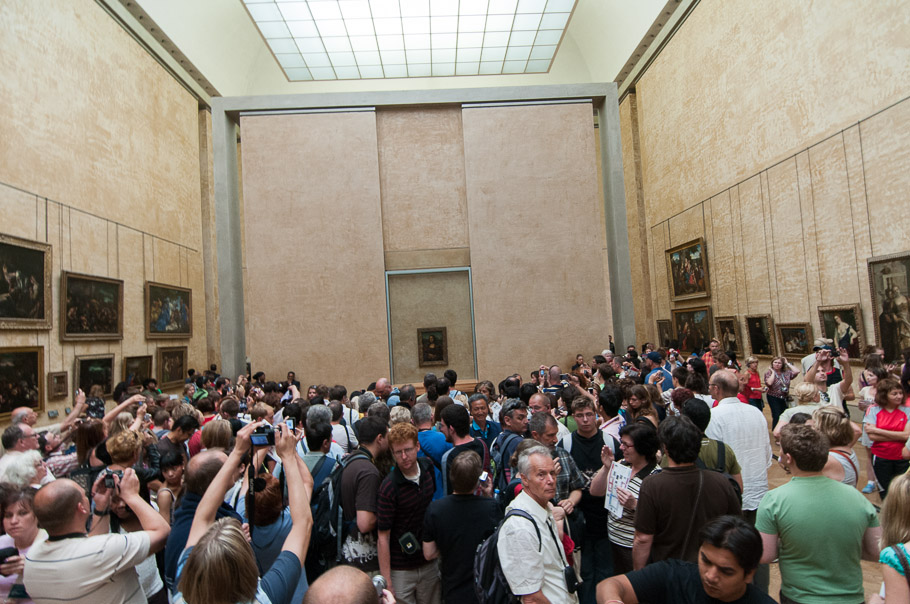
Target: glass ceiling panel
point(360, 39)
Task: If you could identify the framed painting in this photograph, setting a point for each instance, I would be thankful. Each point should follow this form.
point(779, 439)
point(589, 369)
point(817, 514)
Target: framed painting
point(760, 329)
point(844, 325)
point(21, 379)
point(693, 328)
point(664, 333)
point(432, 347)
point(57, 384)
point(92, 307)
point(95, 370)
point(687, 267)
point(726, 330)
point(889, 280)
point(25, 284)
point(795, 339)
point(168, 311)
point(171, 366)
point(136, 369)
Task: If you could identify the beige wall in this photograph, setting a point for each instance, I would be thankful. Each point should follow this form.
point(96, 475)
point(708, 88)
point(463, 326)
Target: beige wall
point(100, 158)
point(777, 131)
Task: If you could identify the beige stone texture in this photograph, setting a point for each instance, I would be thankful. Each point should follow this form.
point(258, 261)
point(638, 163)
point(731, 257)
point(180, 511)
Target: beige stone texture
point(314, 250)
point(789, 292)
point(430, 300)
point(417, 259)
point(534, 296)
point(421, 176)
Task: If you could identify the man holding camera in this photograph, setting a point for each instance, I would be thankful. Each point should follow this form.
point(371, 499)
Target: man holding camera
point(73, 566)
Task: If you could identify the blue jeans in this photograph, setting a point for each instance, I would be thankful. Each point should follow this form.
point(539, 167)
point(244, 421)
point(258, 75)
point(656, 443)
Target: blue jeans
point(596, 565)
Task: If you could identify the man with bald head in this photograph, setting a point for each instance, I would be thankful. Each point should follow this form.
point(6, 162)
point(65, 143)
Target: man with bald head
point(383, 389)
point(73, 566)
point(345, 585)
point(24, 415)
point(200, 472)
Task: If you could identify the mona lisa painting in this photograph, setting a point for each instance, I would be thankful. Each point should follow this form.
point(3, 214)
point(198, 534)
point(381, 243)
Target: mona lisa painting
point(432, 346)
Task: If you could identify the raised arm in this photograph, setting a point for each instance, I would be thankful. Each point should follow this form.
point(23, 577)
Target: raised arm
point(846, 385)
point(151, 522)
point(78, 408)
point(598, 486)
point(111, 415)
point(300, 488)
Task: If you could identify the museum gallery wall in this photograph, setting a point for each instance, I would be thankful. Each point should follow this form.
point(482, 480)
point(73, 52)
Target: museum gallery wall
point(84, 176)
point(794, 173)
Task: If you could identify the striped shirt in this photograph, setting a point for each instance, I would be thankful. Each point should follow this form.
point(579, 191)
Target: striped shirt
point(622, 530)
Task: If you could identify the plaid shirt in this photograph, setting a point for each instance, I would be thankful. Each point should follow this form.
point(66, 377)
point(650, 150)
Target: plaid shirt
point(61, 464)
point(569, 478)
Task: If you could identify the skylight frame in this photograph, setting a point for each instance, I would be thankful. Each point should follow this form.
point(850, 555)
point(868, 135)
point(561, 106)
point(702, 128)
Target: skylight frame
point(382, 39)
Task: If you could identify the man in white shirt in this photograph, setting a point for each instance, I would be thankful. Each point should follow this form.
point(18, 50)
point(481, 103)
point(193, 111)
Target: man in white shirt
point(745, 429)
point(534, 566)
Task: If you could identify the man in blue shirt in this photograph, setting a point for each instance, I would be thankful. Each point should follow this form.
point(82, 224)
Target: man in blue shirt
point(655, 374)
point(432, 443)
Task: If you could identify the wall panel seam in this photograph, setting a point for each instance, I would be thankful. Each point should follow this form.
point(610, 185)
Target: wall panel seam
point(818, 264)
point(802, 228)
point(862, 158)
point(859, 281)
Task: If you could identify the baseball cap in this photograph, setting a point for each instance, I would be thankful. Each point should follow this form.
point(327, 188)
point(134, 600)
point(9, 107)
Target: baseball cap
point(653, 357)
point(822, 343)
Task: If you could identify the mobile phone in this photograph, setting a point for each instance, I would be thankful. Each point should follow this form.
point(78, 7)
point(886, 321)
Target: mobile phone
point(290, 424)
point(483, 476)
point(542, 373)
point(148, 417)
point(7, 552)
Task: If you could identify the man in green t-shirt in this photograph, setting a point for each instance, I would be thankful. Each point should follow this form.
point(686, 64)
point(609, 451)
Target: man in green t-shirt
point(818, 528)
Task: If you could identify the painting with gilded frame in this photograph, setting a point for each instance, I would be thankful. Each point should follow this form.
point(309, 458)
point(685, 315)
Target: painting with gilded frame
point(692, 327)
point(728, 333)
point(687, 269)
point(795, 339)
point(95, 369)
point(432, 346)
point(889, 280)
point(25, 284)
point(92, 307)
point(843, 324)
point(664, 332)
point(171, 366)
point(57, 384)
point(168, 311)
point(760, 329)
point(139, 368)
point(21, 379)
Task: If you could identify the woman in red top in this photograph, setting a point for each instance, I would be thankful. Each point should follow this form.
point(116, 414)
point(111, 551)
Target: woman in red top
point(754, 387)
point(888, 426)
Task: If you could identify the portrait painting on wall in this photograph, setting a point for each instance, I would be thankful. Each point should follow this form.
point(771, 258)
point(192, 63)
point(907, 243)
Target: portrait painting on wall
point(726, 330)
point(171, 366)
point(432, 346)
point(760, 329)
point(92, 307)
point(21, 379)
point(687, 267)
point(889, 279)
point(57, 382)
point(795, 339)
point(136, 369)
point(25, 284)
point(169, 311)
point(95, 370)
point(844, 325)
point(693, 328)
point(664, 332)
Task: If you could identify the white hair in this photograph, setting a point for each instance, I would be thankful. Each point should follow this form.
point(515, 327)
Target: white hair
point(21, 469)
point(524, 459)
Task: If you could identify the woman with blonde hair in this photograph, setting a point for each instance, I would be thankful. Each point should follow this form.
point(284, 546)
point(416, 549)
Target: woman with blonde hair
point(217, 435)
point(777, 380)
point(754, 388)
point(218, 566)
point(807, 401)
point(895, 543)
point(842, 464)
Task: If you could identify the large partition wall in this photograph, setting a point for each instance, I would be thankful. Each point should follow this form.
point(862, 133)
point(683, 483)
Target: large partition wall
point(339, 192)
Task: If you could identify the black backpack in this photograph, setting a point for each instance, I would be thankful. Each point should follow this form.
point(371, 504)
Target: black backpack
point(490, 584)
point(722, 469)
point(328, 526)
point(501, 443)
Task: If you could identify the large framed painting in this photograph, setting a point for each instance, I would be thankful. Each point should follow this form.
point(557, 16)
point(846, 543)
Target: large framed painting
point(92, 308)
point(171, 366)
point(168, 311)
point(25, 284)
point(693, 328)
point(727, 332)
point(889, 279)
point(21, 379)
point(844, 325)
point(795, 339)
point(687, 267)
point(95, 370)
point(432, 347)
point(136, 369)
point(760, 329)
point(57, 382)
point(664, 333)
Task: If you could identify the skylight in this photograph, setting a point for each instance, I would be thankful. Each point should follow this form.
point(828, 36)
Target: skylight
point(361, 39)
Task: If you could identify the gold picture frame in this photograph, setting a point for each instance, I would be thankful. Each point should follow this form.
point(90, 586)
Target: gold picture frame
point(687, 271)
point(21, 379)
point(25, 284)
point(91, 307)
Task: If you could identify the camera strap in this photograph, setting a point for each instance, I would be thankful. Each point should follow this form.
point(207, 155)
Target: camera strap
point(251, 509)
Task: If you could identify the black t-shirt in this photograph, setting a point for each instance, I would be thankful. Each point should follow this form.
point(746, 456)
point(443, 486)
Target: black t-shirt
point(458, 523)
point(678, 582)
point(586, 453)
point(476, 445)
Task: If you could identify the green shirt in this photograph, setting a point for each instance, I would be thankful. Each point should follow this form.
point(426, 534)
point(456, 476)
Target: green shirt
point(708, 456)
point(820, 525)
